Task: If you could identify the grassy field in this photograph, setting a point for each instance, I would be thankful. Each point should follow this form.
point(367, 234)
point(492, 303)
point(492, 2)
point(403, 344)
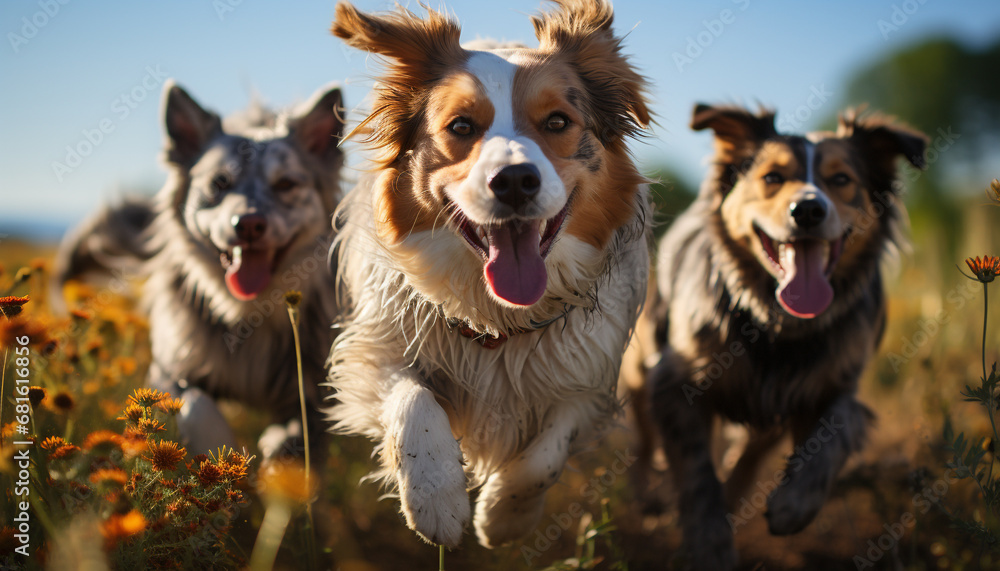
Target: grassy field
point(894, 507)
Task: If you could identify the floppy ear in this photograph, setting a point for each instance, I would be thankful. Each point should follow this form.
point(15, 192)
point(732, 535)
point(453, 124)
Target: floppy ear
point(581, 31)
point(421, 51)
point(880, 140)
point(738, 131)
point(189, 128)
point(318, 124)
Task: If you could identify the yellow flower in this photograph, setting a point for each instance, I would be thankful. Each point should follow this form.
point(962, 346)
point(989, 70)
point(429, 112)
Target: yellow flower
point(133, 413)
point(984, 269)
point(149, 426)
point(147, 397)
point(170, 406)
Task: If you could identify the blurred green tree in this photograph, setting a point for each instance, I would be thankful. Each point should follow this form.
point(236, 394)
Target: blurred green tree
point(951, 92)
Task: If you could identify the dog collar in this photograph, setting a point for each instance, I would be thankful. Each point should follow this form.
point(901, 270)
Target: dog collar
point(489, 341)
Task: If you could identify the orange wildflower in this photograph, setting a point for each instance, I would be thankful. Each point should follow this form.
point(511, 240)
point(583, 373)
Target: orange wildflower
point(108, 476)
point(121, 527)
point(36, 395)
point(170, 406)
point(150, 426)
point(100, 437)
point(165, 455)
point(209, 474)
point(147, 397)
point(64, 451)
point(52, 442)
point(984, 269)
point(133, 413)
point(63, 401)
point(11, 305)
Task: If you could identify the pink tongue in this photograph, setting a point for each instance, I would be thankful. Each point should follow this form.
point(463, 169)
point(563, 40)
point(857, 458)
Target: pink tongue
point(515, 270)
point(805, 292)
point(249, 273)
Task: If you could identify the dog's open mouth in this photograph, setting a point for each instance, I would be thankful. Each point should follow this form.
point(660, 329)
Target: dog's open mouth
point(514, 254)
point(803, 268)
point(249, 270)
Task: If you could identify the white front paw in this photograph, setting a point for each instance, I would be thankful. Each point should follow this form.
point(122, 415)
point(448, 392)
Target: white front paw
point(434, 498)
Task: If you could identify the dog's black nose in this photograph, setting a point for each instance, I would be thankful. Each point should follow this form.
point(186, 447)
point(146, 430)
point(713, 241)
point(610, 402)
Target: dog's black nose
point(809, 213)
point(250, 227)
point(514, 185)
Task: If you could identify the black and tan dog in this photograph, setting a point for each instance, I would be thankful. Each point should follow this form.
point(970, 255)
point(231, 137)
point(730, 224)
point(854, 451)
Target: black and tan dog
point(771, 304)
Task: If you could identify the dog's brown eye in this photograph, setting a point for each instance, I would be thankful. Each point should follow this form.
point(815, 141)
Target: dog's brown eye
point(556, 122)
point(839, 179)
point(774, 178)
point(461, 127)
point(284, 184)
point(221, 182)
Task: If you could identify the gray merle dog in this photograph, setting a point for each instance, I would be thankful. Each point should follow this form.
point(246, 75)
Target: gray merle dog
point(244, 216)
point(771, 303)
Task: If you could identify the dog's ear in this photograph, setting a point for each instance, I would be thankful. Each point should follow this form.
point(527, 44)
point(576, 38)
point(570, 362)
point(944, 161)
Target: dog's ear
point(400, 35)
point(738, 131)
point(581, 31)
point(881, 140)
point(420, 50)
point(318, 124)
point(188, 127)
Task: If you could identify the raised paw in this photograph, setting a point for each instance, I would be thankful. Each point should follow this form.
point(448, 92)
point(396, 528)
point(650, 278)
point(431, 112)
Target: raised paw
point(435, 501)
point(793, 506)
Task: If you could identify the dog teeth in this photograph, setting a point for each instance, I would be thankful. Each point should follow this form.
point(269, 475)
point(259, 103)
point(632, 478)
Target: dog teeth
point(481, 232)
point(786, 254)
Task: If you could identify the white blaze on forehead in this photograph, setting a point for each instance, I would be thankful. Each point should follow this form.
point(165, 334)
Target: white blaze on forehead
point(811, 189)
point(503, 145)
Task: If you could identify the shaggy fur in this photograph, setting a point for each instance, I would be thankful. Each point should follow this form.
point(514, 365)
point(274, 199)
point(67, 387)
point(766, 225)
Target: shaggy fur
point(281, 171)
point(460, 386)
point(738, 341)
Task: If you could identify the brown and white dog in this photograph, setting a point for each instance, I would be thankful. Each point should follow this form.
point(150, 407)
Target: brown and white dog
point(495, 261)
point(771, 305)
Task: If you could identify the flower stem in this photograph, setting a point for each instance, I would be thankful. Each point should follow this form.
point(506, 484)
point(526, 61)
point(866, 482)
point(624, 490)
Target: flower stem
point(272, 529)
point(986, 306)
point(441, 557)
point(293, 315)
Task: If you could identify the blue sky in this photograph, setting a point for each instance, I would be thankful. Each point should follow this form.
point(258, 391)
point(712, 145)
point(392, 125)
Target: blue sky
point(70, 67)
